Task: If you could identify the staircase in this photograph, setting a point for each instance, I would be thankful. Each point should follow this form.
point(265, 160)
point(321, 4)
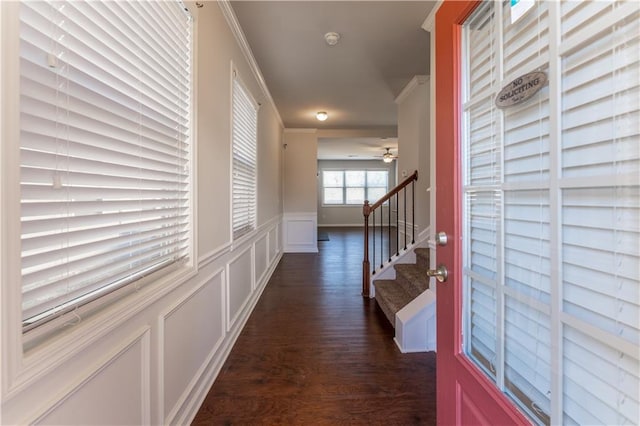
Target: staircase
point(411, 280)
point(400, 284)
point(408, 303)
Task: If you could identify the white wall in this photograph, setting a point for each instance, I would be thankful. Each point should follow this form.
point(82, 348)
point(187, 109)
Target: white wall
point(413, 144)
point(347, 215)
point(300, 218)
point(150, 357)
point(300, 170)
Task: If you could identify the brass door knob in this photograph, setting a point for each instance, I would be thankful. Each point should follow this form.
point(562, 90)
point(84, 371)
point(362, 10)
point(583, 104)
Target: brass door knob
point(440, 273)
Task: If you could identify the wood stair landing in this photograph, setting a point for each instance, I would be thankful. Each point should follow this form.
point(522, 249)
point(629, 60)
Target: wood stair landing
point(411, 280)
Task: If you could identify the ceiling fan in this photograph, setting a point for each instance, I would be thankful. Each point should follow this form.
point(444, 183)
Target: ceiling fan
point(388, 156)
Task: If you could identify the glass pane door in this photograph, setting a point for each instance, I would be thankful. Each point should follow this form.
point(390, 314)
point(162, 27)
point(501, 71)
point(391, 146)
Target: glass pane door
point(551, 210)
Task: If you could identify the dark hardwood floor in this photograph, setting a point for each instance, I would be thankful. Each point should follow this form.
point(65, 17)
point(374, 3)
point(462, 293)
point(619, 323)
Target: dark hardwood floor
point(315, 352)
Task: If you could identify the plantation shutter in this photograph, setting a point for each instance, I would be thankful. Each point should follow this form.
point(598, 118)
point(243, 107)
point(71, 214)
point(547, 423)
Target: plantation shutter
point(552, 214)
point(245, 133)
point(105, 117)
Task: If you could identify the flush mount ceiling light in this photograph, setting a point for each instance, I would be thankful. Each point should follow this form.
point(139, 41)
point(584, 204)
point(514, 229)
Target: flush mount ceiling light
point(321, 115)
point(332, 38)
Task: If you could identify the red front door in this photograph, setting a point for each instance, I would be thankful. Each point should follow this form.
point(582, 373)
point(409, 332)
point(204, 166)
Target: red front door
point(465, 395)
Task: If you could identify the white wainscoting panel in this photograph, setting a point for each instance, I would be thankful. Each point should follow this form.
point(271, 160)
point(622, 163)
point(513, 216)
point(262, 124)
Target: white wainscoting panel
point(300, 232)
point(274, 243)
point(239, 285)
point(261, 260)
point(121, 384)
point(192, 330)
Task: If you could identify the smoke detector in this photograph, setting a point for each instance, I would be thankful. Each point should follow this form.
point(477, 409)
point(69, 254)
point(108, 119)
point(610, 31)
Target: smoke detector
point(332, 38)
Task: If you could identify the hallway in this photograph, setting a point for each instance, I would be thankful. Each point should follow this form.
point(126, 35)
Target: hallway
point(314, 352)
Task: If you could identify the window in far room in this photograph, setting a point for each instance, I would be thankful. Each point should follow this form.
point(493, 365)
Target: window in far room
point(353, 187)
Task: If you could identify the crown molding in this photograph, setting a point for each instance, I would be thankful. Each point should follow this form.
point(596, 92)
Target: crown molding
point(429, 23)
point(416, 81)
point(236, 29)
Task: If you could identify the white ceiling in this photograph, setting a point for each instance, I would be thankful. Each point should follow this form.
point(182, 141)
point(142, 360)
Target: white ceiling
point(382, 46)
point(355, 148)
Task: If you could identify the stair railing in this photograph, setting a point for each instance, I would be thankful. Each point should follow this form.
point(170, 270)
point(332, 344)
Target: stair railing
point(392, 244)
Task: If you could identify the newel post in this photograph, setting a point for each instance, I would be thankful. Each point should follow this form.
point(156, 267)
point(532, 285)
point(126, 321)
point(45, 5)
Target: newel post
point(366, 268)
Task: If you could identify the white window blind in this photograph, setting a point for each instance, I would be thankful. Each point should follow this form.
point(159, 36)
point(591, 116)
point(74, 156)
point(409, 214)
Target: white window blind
point(600, 211)
point(105, 118)
point(245, 151)
point(552, 214)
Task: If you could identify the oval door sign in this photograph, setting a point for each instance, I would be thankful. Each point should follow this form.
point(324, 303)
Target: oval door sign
point(521, 89)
